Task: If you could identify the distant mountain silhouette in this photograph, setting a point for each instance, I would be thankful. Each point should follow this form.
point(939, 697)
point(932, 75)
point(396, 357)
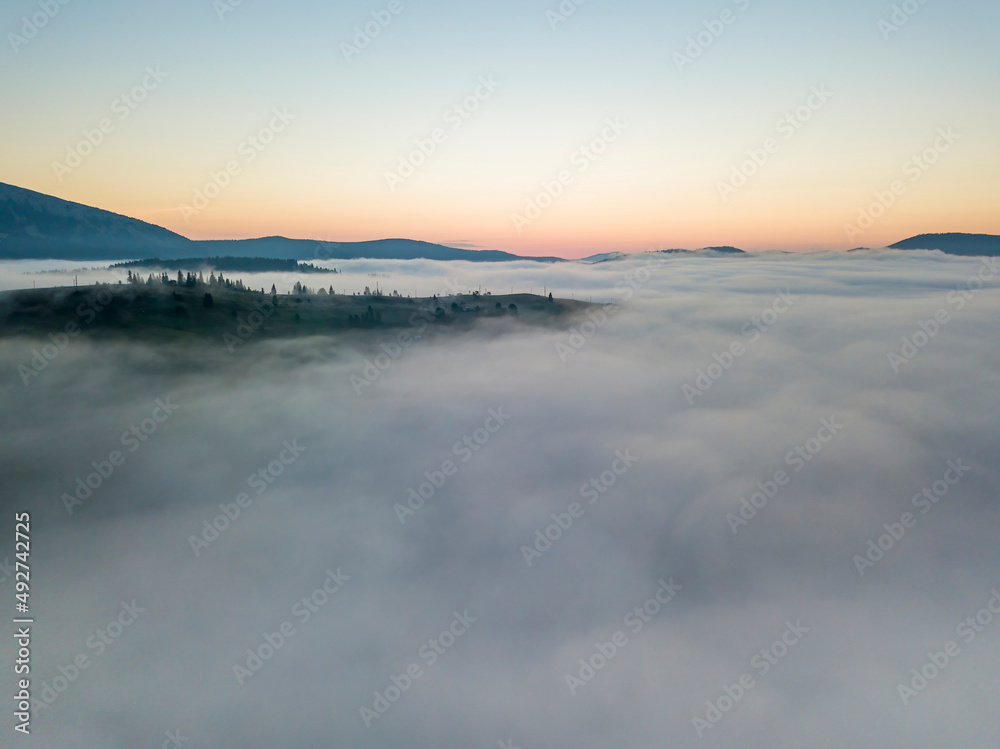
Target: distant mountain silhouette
point(603, 257)
point(953, 244)
point(40, 226)
point(227, 264)
point(37, 226)
point(385, 249)
point(34, 226)
point(607, 257)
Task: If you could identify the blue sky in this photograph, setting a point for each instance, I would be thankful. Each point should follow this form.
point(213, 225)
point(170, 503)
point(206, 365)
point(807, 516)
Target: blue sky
point(325, 176)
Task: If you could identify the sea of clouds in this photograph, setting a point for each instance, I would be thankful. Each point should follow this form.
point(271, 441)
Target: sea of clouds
point(621, 532)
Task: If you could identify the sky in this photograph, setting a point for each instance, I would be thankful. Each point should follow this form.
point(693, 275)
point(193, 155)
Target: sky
point(529, 126)
point(549, 410)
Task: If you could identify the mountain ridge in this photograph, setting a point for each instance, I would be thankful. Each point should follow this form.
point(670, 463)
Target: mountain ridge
point(36, 226)
point(953, 243)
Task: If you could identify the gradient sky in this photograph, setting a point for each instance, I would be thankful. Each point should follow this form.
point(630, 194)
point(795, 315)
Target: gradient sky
point(656, 184)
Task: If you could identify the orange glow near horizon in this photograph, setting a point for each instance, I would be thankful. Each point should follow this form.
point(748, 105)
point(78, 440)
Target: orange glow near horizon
point(637, 152)
point(580, 223)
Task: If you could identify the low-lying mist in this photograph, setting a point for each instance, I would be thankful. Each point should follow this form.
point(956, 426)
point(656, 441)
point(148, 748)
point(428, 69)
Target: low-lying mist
point(746, 504)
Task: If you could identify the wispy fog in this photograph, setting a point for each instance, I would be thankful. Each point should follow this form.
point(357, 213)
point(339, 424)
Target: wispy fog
point(562, 479)
point(408, 277)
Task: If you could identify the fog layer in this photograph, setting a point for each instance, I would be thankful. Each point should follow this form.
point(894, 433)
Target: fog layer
point(676, 491)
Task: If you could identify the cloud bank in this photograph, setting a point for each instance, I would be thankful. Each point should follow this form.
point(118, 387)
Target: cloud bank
point(534, 537)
